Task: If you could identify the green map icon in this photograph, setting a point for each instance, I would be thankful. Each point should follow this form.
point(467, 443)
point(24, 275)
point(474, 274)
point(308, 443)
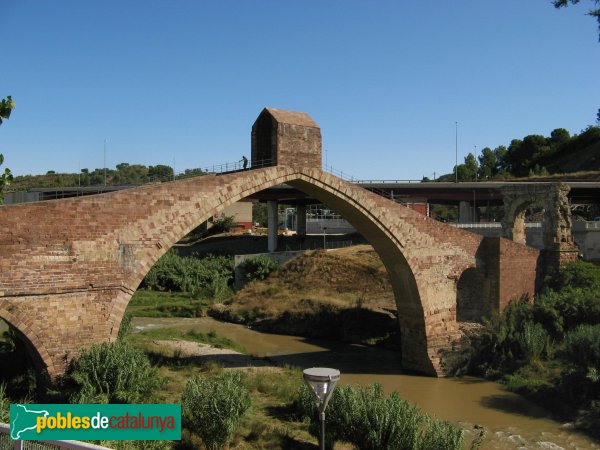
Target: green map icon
point(24, 419)
point(126, 422)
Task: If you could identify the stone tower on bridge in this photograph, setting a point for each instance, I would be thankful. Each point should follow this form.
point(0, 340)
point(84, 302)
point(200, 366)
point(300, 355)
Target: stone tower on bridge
point(285, 138)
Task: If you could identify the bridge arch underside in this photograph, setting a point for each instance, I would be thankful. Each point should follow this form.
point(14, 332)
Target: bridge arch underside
point(415, 355)
point(34, 347)
point(425, 299)
point(72, 289)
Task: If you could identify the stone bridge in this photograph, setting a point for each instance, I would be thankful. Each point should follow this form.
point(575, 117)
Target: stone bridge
point(69, 267)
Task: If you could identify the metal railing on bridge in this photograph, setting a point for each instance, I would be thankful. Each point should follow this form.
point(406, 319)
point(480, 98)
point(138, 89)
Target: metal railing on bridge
point(491, 225)
point(352, 179)
point(387, 181)
point(214, 169)
point(6, 443)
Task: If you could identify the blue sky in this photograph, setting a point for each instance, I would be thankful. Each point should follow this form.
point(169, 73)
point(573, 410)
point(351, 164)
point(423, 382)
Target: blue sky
point(183, 81)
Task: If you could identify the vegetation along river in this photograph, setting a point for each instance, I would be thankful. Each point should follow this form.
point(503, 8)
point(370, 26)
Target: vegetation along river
point(512, 421)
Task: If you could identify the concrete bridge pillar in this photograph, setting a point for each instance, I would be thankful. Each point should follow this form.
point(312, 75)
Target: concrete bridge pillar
point(465, 212)
point(272, 225)
point(301, 220)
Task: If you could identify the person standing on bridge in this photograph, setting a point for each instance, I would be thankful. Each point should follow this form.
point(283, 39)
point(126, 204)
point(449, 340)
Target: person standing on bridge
point(245, 162)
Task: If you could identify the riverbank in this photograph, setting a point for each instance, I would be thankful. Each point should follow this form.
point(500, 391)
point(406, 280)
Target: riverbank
point(513, 422)
point(548, 350)
point(346, 296)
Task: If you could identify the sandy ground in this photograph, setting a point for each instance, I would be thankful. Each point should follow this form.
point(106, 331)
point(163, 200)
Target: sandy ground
point(229, 359)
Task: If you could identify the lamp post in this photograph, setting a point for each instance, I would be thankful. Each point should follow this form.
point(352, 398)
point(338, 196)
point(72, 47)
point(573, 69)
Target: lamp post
point(456, 152)
point(321, 382)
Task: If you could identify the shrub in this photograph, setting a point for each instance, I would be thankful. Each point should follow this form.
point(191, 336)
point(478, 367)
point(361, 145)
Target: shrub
point(538, 380)
point(388, 423)
point(440, 435)
point(582, 353)
point(562, 311)
point(342, 415)
point(582, 347)
point(498, 347)
point(125, 327)
point(367, 419)
point(534, 341)
point(258, 268)
point(219, 289)
point(212, 407)
point(577, 274)
point(209, 275)
point(111, 373)
point(223, 224)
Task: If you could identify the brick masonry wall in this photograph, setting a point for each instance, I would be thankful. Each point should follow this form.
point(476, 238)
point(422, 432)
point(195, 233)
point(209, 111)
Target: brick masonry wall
point(298, 145)
point(69, 267)
point(517, 271)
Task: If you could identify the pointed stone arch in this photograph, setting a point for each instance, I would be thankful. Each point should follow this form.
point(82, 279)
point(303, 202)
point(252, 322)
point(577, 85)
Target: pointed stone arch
point(425, 295)
point(91, 253)
point(69, 267)
point(34, 345)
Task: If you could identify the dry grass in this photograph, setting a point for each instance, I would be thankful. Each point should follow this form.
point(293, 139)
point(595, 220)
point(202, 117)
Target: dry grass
point(346, 278)
point(342, 295)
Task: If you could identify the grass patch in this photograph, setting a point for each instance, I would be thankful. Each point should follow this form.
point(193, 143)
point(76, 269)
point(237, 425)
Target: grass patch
point(146, 303)
point(280, 385)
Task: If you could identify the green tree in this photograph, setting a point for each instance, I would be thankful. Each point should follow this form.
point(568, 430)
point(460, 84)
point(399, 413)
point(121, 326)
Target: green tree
point(6, 107)
point(559, 136)
point(501, 151)
point(259, 214)
point(160, 172)
point(130, 174)
point(523, 155)
point(258, 268)
point(468, 170)
point(488, 163)
point(223, 224)
point(594, 12)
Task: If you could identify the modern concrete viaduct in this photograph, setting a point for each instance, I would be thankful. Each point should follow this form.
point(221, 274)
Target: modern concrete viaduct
point(69, 267)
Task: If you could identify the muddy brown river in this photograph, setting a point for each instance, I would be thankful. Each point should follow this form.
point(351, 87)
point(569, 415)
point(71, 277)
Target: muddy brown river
point(512, 421)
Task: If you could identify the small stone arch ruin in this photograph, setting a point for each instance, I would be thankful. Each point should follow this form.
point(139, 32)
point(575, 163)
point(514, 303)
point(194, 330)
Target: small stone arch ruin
point(559, 246)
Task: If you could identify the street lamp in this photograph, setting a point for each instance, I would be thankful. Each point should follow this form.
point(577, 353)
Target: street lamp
point(456, 153)
point(321, 382)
